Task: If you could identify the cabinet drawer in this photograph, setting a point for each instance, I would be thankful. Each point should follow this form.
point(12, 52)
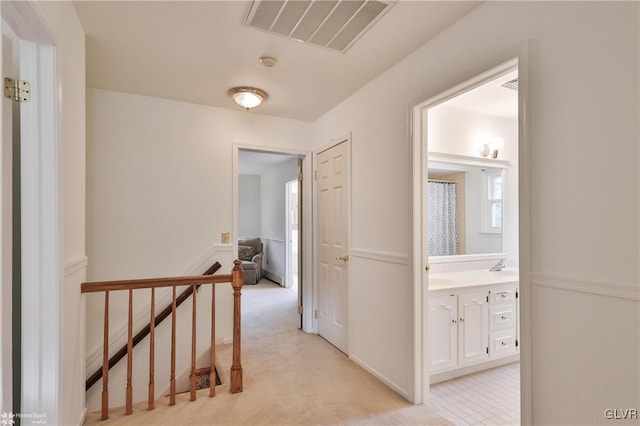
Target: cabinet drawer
point(502, 343)
point(502, 317)
point(503, 295)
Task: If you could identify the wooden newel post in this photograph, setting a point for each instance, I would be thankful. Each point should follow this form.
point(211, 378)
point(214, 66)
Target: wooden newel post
point(236, 367)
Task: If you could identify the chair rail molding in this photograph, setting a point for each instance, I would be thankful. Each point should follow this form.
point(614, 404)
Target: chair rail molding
point(380, 256)
point(599, 288)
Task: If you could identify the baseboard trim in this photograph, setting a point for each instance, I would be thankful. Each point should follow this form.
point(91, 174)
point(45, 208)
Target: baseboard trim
point(381, 377)
point(275, 278)
point(380, 256)
point(458, 372)
point(623, 291)
point(83, 417)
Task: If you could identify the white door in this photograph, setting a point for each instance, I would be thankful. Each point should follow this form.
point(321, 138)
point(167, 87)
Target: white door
point(443, 332)
point(473, 327)
point(333, 245)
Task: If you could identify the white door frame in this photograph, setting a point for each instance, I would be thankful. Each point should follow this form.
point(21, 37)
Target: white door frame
point(306, 278)
point(288, 236)
point(41, 212)
point(334, 142)
point(518, 58)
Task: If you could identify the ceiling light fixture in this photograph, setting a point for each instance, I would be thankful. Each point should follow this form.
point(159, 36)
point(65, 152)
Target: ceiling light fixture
point(248, 97)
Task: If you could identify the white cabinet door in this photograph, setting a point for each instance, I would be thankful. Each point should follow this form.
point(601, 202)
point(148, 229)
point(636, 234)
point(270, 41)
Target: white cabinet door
point(443, 332)
point(473, 327)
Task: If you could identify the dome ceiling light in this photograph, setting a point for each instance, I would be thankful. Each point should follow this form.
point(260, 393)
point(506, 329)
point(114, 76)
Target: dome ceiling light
point(248, 97)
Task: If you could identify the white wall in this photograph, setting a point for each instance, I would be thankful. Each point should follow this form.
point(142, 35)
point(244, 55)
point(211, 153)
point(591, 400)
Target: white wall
point(159, 192)
point(453, 131)
point(61, 20)
point(249, 211)
point(273, 202)
point(583, 111)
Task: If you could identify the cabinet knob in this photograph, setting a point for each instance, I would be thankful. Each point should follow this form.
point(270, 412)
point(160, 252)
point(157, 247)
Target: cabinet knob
point(503, 343)
point(503, 317)
point(453, 321)
point(461, 319)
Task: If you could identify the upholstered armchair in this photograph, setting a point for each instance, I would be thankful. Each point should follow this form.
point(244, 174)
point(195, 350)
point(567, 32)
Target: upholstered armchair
point(250, 253)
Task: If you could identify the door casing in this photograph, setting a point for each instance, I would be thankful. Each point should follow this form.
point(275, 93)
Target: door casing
point(516, 58)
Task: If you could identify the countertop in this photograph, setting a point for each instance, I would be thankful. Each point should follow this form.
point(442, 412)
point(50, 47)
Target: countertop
point(462, 279)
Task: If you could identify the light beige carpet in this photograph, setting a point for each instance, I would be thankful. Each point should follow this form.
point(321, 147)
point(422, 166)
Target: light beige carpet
point(290, 378)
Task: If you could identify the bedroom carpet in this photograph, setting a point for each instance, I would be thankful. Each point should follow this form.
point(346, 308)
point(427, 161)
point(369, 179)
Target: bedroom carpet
point(290, 378)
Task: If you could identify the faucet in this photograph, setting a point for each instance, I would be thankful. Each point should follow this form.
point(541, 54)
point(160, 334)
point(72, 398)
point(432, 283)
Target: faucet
point(498, 266)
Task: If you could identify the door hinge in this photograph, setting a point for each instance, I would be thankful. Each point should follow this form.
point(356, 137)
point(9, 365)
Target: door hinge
point(315, 174)
point(487, 299)
point(487, 350)
point(300, 309)
point(516, 294)
point(300, 177)
point(17, 90)
point(315, 313)
point(516, 343)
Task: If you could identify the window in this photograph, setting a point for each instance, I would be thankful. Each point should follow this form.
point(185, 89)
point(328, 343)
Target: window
point(492, 203)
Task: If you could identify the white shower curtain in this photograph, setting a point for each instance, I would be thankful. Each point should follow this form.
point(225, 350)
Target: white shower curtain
point(442, 219)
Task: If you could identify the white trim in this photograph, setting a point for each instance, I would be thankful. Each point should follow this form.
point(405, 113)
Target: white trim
point(384, 379)
point(73, 266)
point(463, 371)
point(273, 277)
point(599, 288)
point(41, 266)
point(306, 231)
point(380, 256)
point(334, 141)
point(420, 277)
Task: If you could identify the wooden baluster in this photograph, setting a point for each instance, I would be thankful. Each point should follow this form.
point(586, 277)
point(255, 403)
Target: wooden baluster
point(152, 346)
point(193, 346)
point(172, 382)
point(236, 367)
point(105, 360)
point(129, 402)
point(212, 373)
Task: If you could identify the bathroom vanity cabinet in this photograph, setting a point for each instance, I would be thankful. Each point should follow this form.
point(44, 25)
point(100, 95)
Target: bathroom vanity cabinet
point(471, 326)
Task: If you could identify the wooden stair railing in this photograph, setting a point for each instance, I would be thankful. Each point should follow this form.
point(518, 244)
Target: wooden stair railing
point(236, 280)
point(115, 358)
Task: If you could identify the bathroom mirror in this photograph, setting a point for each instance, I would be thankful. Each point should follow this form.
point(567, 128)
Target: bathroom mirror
point(464, 209)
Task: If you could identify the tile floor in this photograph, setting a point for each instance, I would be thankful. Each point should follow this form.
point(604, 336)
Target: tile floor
point(490, 397)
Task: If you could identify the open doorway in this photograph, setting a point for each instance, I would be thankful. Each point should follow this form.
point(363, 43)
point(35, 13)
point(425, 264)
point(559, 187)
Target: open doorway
point(467, 184)
point(292, 213)
point(269, 238)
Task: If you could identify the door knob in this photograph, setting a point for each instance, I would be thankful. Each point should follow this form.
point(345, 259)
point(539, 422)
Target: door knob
point(344, 258)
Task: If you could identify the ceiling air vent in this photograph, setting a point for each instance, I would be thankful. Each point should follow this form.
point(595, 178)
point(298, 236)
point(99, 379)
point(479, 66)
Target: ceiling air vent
point(511, 84)
point(334, 24)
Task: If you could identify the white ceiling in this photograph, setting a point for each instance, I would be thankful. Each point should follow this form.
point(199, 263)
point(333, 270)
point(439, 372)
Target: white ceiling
point(195, 51)
point(490, 98)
